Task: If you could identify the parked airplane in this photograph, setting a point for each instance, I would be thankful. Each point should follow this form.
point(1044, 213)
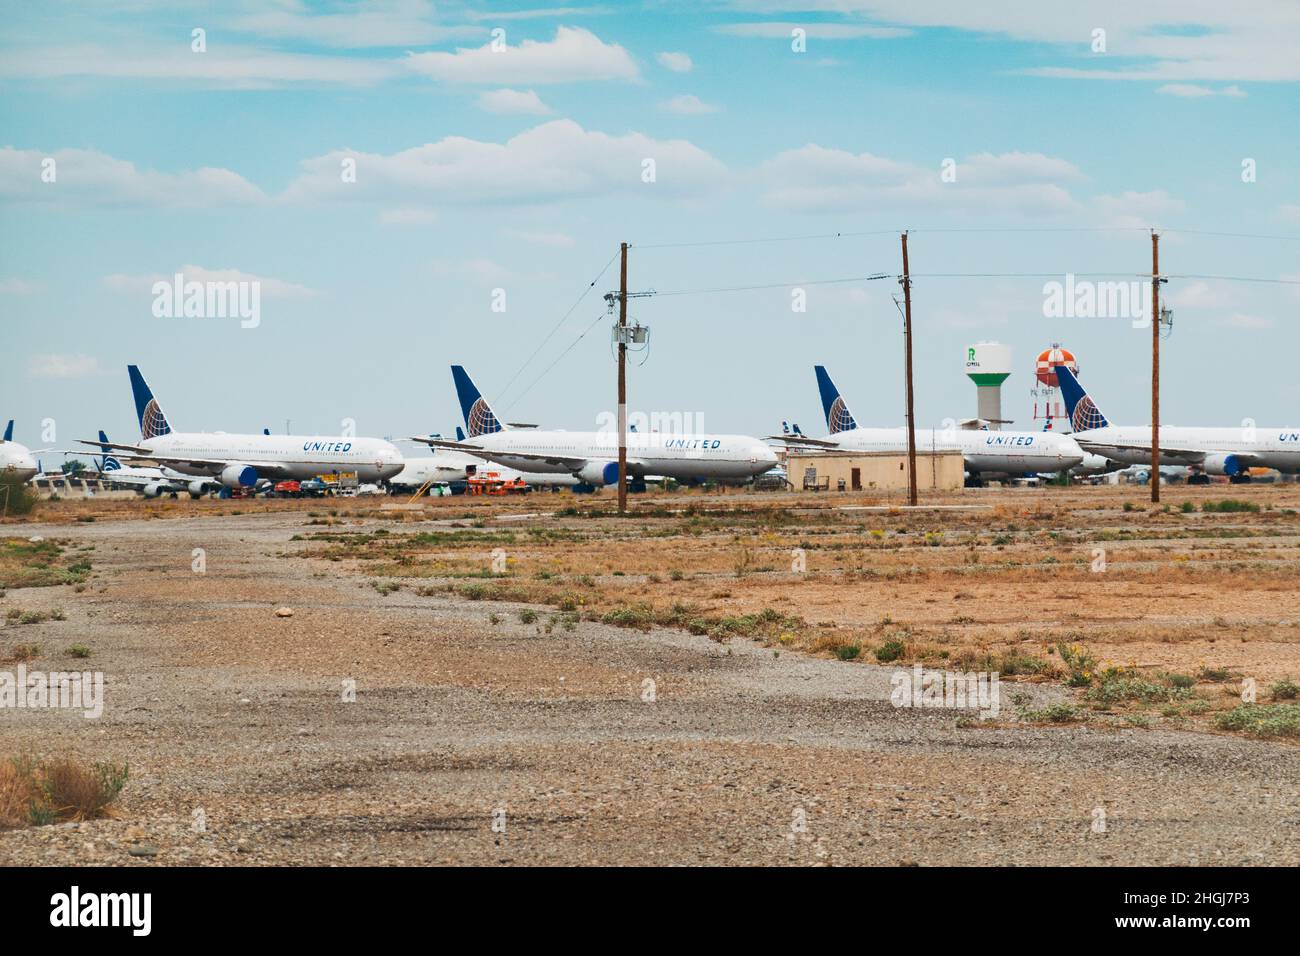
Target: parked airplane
point(241, 461)
point(1219, 451)
point(150, 482)
point(16, 459)
point(592, 457)
point(986, 453)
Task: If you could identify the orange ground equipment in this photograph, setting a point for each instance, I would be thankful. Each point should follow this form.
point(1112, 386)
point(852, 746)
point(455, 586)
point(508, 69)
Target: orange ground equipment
point(491, 483)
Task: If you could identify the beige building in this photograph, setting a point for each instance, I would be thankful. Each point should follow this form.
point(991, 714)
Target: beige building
point(867, 470)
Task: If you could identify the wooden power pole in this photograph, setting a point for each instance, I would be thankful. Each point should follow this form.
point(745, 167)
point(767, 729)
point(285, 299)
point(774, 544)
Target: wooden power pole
point(907, 351)
point(622, 380)
point(1155, 368)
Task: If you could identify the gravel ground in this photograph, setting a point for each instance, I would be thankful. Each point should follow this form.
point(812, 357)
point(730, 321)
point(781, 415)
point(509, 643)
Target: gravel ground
point(479, 743)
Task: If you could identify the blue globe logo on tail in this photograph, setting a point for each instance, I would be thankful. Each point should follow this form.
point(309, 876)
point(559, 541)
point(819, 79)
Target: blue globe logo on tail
point(153, 424)
point(838, 419)
point(1086, 416)
point(480, 419)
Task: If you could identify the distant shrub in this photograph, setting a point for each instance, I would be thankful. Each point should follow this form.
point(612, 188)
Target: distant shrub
point(38, 793)
point(1229, 506)
point(891, 650)
point(16, 497)
point(1262, 720)
point(1284, 690)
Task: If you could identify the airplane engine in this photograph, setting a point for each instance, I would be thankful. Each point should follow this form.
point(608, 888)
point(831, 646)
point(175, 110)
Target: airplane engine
point(597, 473)
point(1223, 465)
point(238, 476)
point(196, 489)
point(152, 490)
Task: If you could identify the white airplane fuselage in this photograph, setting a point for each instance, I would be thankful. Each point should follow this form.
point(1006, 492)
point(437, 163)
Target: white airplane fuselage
point(17, 460)
point(679, 456)
point(1212, 448)
point(291, 456)
point(457, 466)
point(987, 452)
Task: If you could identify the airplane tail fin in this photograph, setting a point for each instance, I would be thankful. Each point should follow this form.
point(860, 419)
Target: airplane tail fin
point(106, 462)
point(9, 431)
point(785, 428)
point(153, 423)
point(479, 417)
point(1084, 413)
point(460, 433)
point(838, 417)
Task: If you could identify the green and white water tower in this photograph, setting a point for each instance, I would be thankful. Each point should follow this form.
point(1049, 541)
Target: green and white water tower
point(987, 365)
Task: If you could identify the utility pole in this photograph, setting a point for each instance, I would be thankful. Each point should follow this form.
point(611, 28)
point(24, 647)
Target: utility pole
point(1155, 367)
point(907, 350)
point(622, 380)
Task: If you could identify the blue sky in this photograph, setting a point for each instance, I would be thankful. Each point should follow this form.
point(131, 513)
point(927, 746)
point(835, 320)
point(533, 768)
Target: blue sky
point(521, 170)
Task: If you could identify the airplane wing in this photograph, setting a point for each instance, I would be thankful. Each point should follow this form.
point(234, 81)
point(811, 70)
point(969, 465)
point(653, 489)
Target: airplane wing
point(214, 465)
point(1182, 456)
point(802, 440)
point(443, 443)
point(108, 445)
point(561, 462)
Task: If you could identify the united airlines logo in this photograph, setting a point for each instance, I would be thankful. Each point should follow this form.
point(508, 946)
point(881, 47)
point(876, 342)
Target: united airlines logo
point(1009, 440)
point(1086, 416)
point(1289, 436)
point(480, 420)
point(330, 446)
point(153, 424)
point(838, 418)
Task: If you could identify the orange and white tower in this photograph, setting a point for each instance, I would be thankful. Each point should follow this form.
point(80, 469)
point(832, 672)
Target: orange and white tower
point(1047, 390)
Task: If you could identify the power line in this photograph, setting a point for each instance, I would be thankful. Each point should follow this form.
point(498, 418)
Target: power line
point(751, 241)
point(959, 229)
point(591, 285)
point(1195, 275)
point(571, 347)
point(1233, 235)
point(779, 285)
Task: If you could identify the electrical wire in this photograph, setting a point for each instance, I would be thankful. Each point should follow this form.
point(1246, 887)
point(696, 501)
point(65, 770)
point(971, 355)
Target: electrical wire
point(544, 372)
point(591, 285)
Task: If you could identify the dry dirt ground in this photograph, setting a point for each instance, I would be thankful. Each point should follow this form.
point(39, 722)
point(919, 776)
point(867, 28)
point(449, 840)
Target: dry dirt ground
point(543, 713)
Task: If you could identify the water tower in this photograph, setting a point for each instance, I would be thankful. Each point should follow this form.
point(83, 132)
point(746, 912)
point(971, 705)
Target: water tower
point(987, 365)
point(1047, 390)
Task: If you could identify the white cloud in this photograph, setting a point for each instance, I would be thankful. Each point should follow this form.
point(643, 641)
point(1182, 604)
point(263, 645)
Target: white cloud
point(94, 178)
point(507, 102)
point(63, 366)
point(557, 240)
point(18, 287)
point(539, 13)
point(677, 62)
point(1199, 295)
point(270, 287)
point(814, 31)
point(552, 161)
point(816, 179)
point(1192, 91)
point(1240, 320)
point(478, 270)
point(370, 23)
point(407, 217)
point(223, 65)
point(1166, 40)
point(575, 55)
point(1137, 210)
point(687, 105)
